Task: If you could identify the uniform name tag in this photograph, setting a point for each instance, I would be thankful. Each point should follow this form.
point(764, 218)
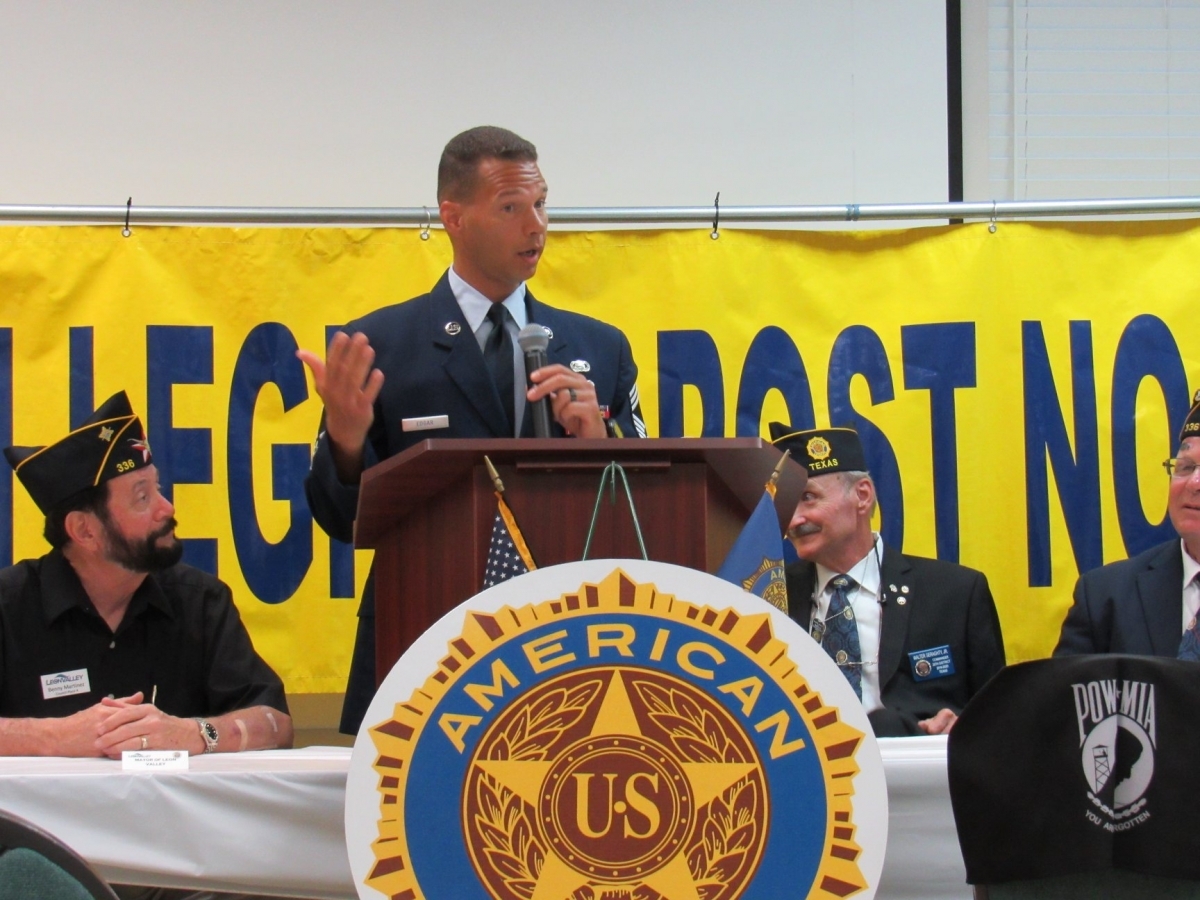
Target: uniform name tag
point(64, 684)
point(935, 662)
point(426, 423)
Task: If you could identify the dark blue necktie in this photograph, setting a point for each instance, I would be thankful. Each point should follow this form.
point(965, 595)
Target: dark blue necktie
point(498, 354)
point(1189, 645)
point(840, 634)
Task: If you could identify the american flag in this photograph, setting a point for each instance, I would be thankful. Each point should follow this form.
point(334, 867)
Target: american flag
point(508, 556)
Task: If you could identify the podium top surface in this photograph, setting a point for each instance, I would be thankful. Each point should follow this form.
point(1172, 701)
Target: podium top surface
point(406, 482)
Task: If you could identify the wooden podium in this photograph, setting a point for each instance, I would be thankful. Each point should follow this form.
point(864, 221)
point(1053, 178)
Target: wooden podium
point(428, 513)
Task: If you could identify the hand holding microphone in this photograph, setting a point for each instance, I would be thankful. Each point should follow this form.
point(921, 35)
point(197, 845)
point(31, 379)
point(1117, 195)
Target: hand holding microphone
point(534, 340)
point(557, 392)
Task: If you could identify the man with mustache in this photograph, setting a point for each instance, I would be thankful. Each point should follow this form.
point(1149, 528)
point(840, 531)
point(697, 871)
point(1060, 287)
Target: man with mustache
point(108, 643)
point(916, 638)
point(447, 364)
point(1148, 605)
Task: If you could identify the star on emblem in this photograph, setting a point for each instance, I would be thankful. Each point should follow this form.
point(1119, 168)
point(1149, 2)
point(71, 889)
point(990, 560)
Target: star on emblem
point(106, 433)
point(578, 855)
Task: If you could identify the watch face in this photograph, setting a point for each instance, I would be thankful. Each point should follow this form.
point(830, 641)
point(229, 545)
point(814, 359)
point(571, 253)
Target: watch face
point(210, 734)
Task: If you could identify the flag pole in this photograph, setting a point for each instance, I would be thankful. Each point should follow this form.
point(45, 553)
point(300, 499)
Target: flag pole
point(774, 475)
point(495, 476)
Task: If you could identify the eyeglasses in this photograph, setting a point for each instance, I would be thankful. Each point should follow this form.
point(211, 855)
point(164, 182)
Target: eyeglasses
point(1181, 468)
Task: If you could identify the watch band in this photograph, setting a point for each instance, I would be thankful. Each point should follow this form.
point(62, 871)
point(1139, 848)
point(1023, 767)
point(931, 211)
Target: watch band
point(208, 731)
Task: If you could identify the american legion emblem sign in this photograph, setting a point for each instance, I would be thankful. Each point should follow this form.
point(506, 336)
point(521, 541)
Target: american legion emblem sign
point(615, 729)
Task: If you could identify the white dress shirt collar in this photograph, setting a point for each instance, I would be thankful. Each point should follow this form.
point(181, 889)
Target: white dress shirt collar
point(475, 306)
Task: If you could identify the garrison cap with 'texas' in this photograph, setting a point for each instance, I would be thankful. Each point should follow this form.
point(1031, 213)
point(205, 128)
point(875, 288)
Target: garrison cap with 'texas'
point(821, 450)
point(1191, 425)
point(110, 442)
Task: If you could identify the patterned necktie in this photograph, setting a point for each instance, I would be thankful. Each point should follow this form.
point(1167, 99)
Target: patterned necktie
point(498, 354)
point(840, 634)
point(1189, 645)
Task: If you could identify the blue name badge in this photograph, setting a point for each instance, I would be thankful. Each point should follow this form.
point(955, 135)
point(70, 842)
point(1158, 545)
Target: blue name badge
point(935, 662)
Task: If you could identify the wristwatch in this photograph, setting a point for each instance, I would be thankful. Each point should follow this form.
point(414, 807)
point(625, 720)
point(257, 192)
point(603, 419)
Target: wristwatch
point(208, 731)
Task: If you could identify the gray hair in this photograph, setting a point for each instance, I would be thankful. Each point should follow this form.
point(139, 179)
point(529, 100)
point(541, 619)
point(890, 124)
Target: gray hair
point(854, 476)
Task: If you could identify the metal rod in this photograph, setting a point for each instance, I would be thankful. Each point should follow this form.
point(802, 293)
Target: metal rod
point(599, 215)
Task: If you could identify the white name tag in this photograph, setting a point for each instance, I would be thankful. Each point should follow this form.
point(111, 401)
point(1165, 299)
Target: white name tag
point(428, 423)
point(161, 760)
point(64, 684)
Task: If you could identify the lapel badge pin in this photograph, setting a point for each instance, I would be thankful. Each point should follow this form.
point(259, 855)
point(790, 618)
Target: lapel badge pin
point(904, 588)
point(453, 328)
point(900, 601)
point(892, 588)
point(580, 365)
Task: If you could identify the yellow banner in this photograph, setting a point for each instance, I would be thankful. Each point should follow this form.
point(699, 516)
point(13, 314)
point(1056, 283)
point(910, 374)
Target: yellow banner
point(1016, 391)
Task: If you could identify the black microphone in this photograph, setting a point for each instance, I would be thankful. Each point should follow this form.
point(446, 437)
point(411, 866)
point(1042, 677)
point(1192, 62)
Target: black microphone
point(534, 339)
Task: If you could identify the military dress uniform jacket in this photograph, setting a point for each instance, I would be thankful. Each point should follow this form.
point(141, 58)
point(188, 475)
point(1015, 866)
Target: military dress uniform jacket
point(1131, 606)
point(433, 366)
point(944, 604)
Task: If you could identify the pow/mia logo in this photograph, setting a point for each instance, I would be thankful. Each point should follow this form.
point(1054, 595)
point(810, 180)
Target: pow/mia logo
point(599, 730)
point(818, 448)
point(1117, 724)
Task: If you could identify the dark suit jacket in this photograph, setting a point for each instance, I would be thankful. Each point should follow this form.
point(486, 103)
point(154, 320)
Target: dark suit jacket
point(428, 371)
point(945, 604)
point(1132, 606)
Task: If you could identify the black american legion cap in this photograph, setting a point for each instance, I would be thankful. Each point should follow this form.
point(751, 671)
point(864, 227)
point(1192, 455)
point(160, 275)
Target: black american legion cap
point(110, 442)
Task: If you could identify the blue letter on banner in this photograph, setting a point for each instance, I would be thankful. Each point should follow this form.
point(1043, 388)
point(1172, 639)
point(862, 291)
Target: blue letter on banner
point(6, 439)
point(689, 357)
point(1147, 350)
point(341, 554)
point(858, 351)
point(272, 571)
point(773, 362)
point(180, 354)
point(940, 358)
point(1077, 476)
point(83, 392)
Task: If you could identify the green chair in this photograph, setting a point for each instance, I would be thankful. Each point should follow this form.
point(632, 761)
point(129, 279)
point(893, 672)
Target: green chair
point(35, 865)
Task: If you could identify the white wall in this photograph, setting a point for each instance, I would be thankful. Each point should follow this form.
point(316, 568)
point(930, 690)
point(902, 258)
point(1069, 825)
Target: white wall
point(306, 103)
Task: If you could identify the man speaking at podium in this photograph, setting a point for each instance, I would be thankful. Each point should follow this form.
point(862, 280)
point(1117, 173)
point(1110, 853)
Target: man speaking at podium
point(447, 364)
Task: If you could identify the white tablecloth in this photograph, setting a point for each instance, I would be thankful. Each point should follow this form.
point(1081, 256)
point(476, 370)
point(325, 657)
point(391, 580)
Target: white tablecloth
point(271, 822)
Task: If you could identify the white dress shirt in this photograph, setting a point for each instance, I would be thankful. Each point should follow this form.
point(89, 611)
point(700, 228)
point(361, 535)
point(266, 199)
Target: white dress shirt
point(475, 308)
point(1191, 590)
point(864, 600)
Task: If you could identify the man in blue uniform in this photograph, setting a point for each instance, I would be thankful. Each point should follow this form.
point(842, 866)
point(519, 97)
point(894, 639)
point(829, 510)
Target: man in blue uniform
point(446, 364)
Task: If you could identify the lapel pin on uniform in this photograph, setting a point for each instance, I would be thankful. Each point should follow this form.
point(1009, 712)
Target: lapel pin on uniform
point(453, 328)
point(580, 365)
